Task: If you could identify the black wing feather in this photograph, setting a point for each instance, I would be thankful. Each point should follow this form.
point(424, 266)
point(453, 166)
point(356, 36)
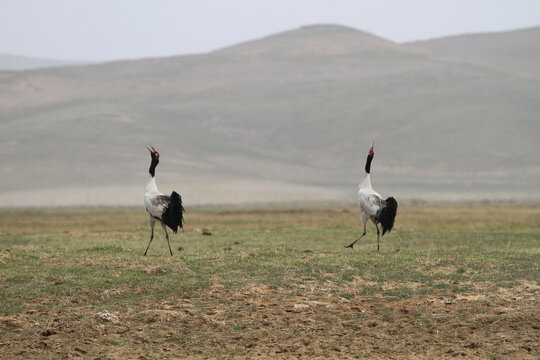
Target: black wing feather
point(173, 214)
point(387, 215)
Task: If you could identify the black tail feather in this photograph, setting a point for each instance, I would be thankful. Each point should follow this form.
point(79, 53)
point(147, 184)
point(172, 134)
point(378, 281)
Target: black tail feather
point(388, 214)
point(173, 216)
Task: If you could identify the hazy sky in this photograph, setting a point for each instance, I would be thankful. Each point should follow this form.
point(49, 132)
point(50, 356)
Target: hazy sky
point(119, 29)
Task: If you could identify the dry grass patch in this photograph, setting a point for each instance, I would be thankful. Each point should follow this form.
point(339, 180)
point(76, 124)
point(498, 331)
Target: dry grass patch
point(457, 281)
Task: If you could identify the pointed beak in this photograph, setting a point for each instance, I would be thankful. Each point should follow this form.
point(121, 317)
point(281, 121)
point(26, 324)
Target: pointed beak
point(149, 149)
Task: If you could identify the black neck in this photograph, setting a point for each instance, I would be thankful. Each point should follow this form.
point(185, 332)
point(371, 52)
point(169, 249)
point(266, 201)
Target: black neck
point(368, 163)
point(153, 167)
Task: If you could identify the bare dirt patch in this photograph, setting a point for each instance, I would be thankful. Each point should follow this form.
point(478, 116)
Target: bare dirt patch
point(260, 322)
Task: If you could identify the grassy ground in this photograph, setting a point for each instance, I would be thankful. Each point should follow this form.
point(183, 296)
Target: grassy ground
point(449, 281)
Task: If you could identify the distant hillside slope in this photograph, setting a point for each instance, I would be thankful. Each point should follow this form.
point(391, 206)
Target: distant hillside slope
point(292, 111)
point(517, 50)
point(18, 63)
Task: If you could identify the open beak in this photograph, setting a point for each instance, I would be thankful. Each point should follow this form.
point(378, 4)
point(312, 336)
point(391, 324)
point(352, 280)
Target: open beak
point(151, 149)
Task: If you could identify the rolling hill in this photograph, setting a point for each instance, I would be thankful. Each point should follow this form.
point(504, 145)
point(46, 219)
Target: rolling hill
point(286, 117)
point(17, 63)
point(518, 50)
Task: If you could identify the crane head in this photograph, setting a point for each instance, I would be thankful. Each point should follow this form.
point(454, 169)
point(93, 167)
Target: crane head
point(371, 153)
point(155, 160)
point(153, 152)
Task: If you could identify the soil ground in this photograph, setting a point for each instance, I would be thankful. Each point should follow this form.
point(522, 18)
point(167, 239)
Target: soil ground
point(454, 311)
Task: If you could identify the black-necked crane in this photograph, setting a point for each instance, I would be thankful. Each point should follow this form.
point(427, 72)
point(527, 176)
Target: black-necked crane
point(166, 209)
point(373, 206)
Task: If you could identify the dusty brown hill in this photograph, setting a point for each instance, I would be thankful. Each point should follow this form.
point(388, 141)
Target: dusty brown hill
point(16, 63)
point(517, 50)
point(270, 118)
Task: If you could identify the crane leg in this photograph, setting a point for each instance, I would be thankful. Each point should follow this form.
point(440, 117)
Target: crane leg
point(378, 232)
point(365, 218)
point(151, 223)
point(151, 238)
point(354, 242)
point(167, 236)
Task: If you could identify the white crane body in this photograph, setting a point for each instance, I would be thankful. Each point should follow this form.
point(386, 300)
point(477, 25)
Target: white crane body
point(373, 205)
point(166, 209)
